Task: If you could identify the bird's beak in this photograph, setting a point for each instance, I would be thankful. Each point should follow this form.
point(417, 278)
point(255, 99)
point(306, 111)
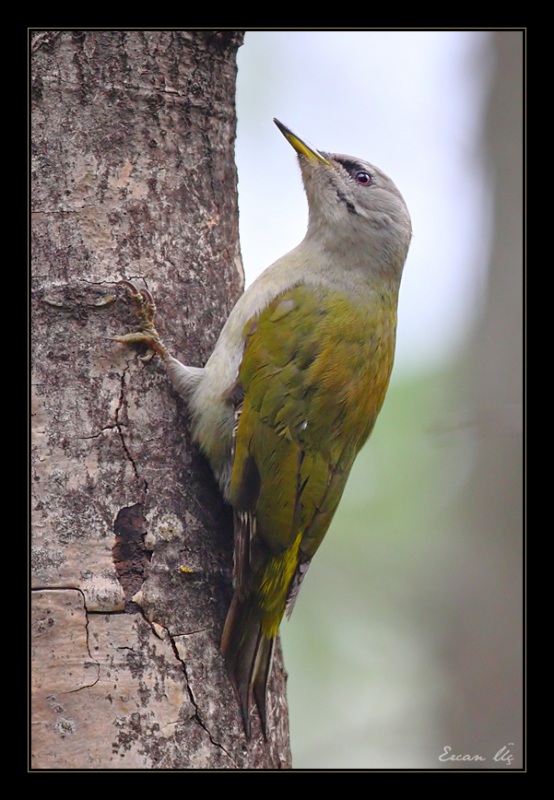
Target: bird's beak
point(300, 146)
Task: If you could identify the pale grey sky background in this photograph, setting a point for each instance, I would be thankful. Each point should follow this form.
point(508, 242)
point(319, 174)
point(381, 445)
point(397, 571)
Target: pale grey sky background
point(408, 101)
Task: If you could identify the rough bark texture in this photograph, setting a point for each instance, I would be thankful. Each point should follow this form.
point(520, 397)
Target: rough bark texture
point(133, 177)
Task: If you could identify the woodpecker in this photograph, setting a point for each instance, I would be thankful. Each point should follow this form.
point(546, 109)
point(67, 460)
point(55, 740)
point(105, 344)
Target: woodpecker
point(292, 391)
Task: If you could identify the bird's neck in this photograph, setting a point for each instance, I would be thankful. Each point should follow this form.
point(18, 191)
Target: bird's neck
point(346, 266)
point(367, 259)
point(349, 273)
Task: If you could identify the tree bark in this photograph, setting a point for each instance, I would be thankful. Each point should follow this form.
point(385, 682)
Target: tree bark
point(132, 177)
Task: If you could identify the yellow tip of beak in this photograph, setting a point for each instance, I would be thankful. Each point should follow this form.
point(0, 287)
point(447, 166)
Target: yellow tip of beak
point(301, 147)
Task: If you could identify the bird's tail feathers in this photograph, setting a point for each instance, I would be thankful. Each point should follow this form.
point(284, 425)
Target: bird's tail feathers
point(249, 655)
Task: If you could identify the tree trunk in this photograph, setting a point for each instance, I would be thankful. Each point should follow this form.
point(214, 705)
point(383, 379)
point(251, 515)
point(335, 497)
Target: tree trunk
point(132, 177)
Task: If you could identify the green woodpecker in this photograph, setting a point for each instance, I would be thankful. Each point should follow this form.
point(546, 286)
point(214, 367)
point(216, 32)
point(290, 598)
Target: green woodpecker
point(292, 390)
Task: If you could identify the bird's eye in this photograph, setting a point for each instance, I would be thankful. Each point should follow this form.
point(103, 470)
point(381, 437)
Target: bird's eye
point(363, 177)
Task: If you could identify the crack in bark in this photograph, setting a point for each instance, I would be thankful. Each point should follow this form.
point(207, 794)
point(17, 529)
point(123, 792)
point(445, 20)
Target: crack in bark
point(120, 425)
point(115, 426)
point(190, 693)
point(193, 699)
point(87, 640)
point(48, 211)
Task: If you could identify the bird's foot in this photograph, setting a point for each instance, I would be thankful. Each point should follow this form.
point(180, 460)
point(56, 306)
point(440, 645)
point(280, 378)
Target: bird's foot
point(146, 313)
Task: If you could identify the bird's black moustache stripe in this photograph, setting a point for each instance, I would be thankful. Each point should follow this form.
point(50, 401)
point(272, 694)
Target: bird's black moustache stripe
point(349, 205)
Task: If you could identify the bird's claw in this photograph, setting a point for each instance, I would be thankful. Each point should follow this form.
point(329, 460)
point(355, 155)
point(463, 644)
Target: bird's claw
point(146, 312)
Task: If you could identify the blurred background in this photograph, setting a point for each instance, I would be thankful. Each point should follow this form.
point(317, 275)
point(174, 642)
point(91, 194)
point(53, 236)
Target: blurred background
point(405, 647)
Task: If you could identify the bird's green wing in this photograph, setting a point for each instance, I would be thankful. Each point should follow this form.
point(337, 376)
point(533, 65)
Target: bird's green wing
point(314, 373)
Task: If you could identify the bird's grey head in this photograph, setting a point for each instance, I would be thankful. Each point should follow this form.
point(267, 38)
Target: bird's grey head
point(353, 206)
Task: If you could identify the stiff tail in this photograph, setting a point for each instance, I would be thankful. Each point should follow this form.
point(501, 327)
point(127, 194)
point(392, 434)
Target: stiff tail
point(249, 655)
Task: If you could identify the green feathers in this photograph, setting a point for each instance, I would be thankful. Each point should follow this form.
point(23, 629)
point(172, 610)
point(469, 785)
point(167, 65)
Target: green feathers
point(313, 377)
point(314, 374)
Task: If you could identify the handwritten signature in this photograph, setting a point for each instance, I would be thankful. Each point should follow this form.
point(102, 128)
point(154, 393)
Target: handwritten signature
point(504, 754)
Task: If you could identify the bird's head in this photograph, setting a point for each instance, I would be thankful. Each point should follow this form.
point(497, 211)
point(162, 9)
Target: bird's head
point(353, 205)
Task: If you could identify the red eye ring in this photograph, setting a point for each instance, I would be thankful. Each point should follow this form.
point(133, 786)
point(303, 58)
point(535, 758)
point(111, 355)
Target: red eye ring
point(363, 177)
